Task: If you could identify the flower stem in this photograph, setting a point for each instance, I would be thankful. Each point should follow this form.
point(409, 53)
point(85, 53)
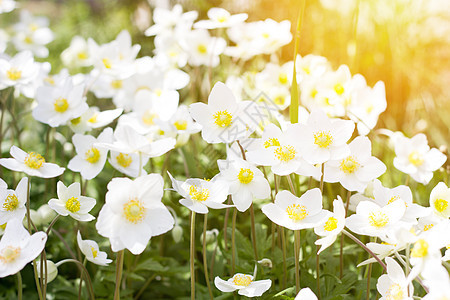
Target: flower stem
point(252, 219)
point(119, 269)
point(369, 274)
point(205, 261)
point(86, 274)
point(192, 255)
point(283, 245)
point(233, 241)
point(341, 251)
point(297, 258)
point(19, 286)
point(318, 271)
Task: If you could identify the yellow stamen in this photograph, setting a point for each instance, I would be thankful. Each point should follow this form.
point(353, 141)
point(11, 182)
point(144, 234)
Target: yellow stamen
point(271, 142)
point(395, 292)
point(223, 118)
point(75, 121)
point(134, 211)
point(198, 193)
point(82, 55)
point(349, 165)
point(92, 155)
point(202, 49)
point(116, 84)
point(34, 160)
point(93, 119)
point(245, 176)
point(339, 89)
point(427, 227)
point(242, 280)
point(378, 219)
point(180, 125)
point(11, 203)
point(279, 100)
point(296, 212)
point(282, 78)
point(331, 224)
point(285, 153)
point(149, 118)
point(420, 249)
point(14, 74)
point(9, 254)
point(94, 252)
point(124, 160)
point(222, 19)
point(323, 139)
point(61, 105)
point(415, 158)
point(107, 63)
point(440, 205)
point(73, 204)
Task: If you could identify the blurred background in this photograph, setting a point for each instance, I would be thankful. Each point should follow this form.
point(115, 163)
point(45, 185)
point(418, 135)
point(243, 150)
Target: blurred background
point(404, 43)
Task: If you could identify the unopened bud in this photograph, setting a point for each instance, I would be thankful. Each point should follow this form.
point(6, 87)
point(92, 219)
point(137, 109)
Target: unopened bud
point(368, 192)
point(52, 270)
point(265, 262)
point(177, 233)
point(210, 236)
point(46, 214)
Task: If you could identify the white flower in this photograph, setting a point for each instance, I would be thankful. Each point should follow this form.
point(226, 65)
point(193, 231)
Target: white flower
point(296, 213)
point(12, 203)
point(414, 157)
point(77, 55)
point(128, 164)
point(438, 281)
point(59, 104)
point(52, 270)
point(330, 229)
point(394, 285)
point(372, 220)
point(171, 21)
point(440, 200)
point(32, 164)
point(355, 171)
point(7, 6)
point(246, 182)
point(93, 118)
point(18, 71)
point(324, 139)
point(92, 252)
point(305, 294)
point(281, 151)
point(70, 202)
point(17, 247)
point(90, 159)
point(223, 119)
point(202, 48)
point(133, 213)
point(200, 194)
point(244, 284)
point(220, 18)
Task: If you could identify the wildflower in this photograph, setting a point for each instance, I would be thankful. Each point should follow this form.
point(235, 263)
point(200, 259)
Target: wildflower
point(52, 270)
point(246, 182)
point(19, 71)
point(440, 200)
point(305, 294)
point(90, 158)
point(394, 285)
point(7, 6)
point(12, 203)
point(356, 170)
point(31, 163)
point(70, 202)
point(93, 118)
point(77, 55)
point(133, 213)
point(330, 229)
point(414, 157)
point(220, 18)
point(244, 284)
point(296, 213)
point(17, 247)
point(202, 48)
point(92, 252)
point(200, 194)
point(171, 21)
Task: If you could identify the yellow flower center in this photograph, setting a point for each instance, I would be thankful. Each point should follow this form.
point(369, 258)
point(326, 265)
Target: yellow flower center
point(349, 165)
point(378, 219)
point(82, 55)
point(61, 105)
point(107, 63)
point(116, 84)
point(134, 211)
point(14, 74)
point(427, 227)
point(3, 226)
point(395, 292)
point(271, 142)
point(331, 224)
point(242, 280)
point(49, 80)
point(94, 252)
point(279, 100)
point(265, 35)
point(9, 254)
point(285, 153)
point(394, 198)
point(314, 93)
point(92, 155)
point(440, 205)
point(223, 118)
point(11, 202)
point(201, 48)
point(34, 160)
point(245, 176)
point(180, 125)
point(124, 160)
point(282, 78)
point(75, 121)
point(93, 119)
point(339, 89)
point(222, 19)
point(306, 69)
point(415, 158)
point(323, 139)
point(296, 212)
point(73, 204)
point(420, 249)
point(149, 118)
point(198, 193)
point(28, 40)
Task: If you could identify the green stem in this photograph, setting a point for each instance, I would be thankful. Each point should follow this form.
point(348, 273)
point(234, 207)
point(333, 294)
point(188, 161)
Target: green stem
point(141, 291)
point(192, 250)
point(297, 258)
point(283, 245)
point(369, 274)
point(86, 274)
point(205, 261)
point(252, 219)
point(233, 241)
point(119, 269)
point(341, 250)
point(318, 271)
point(19, 286)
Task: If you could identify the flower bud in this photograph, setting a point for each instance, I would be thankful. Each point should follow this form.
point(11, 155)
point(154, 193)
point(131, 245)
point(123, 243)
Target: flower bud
point(46, 214)
point(265, 262)
point(52, 270)
point(177, 233)
point(210, 236)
